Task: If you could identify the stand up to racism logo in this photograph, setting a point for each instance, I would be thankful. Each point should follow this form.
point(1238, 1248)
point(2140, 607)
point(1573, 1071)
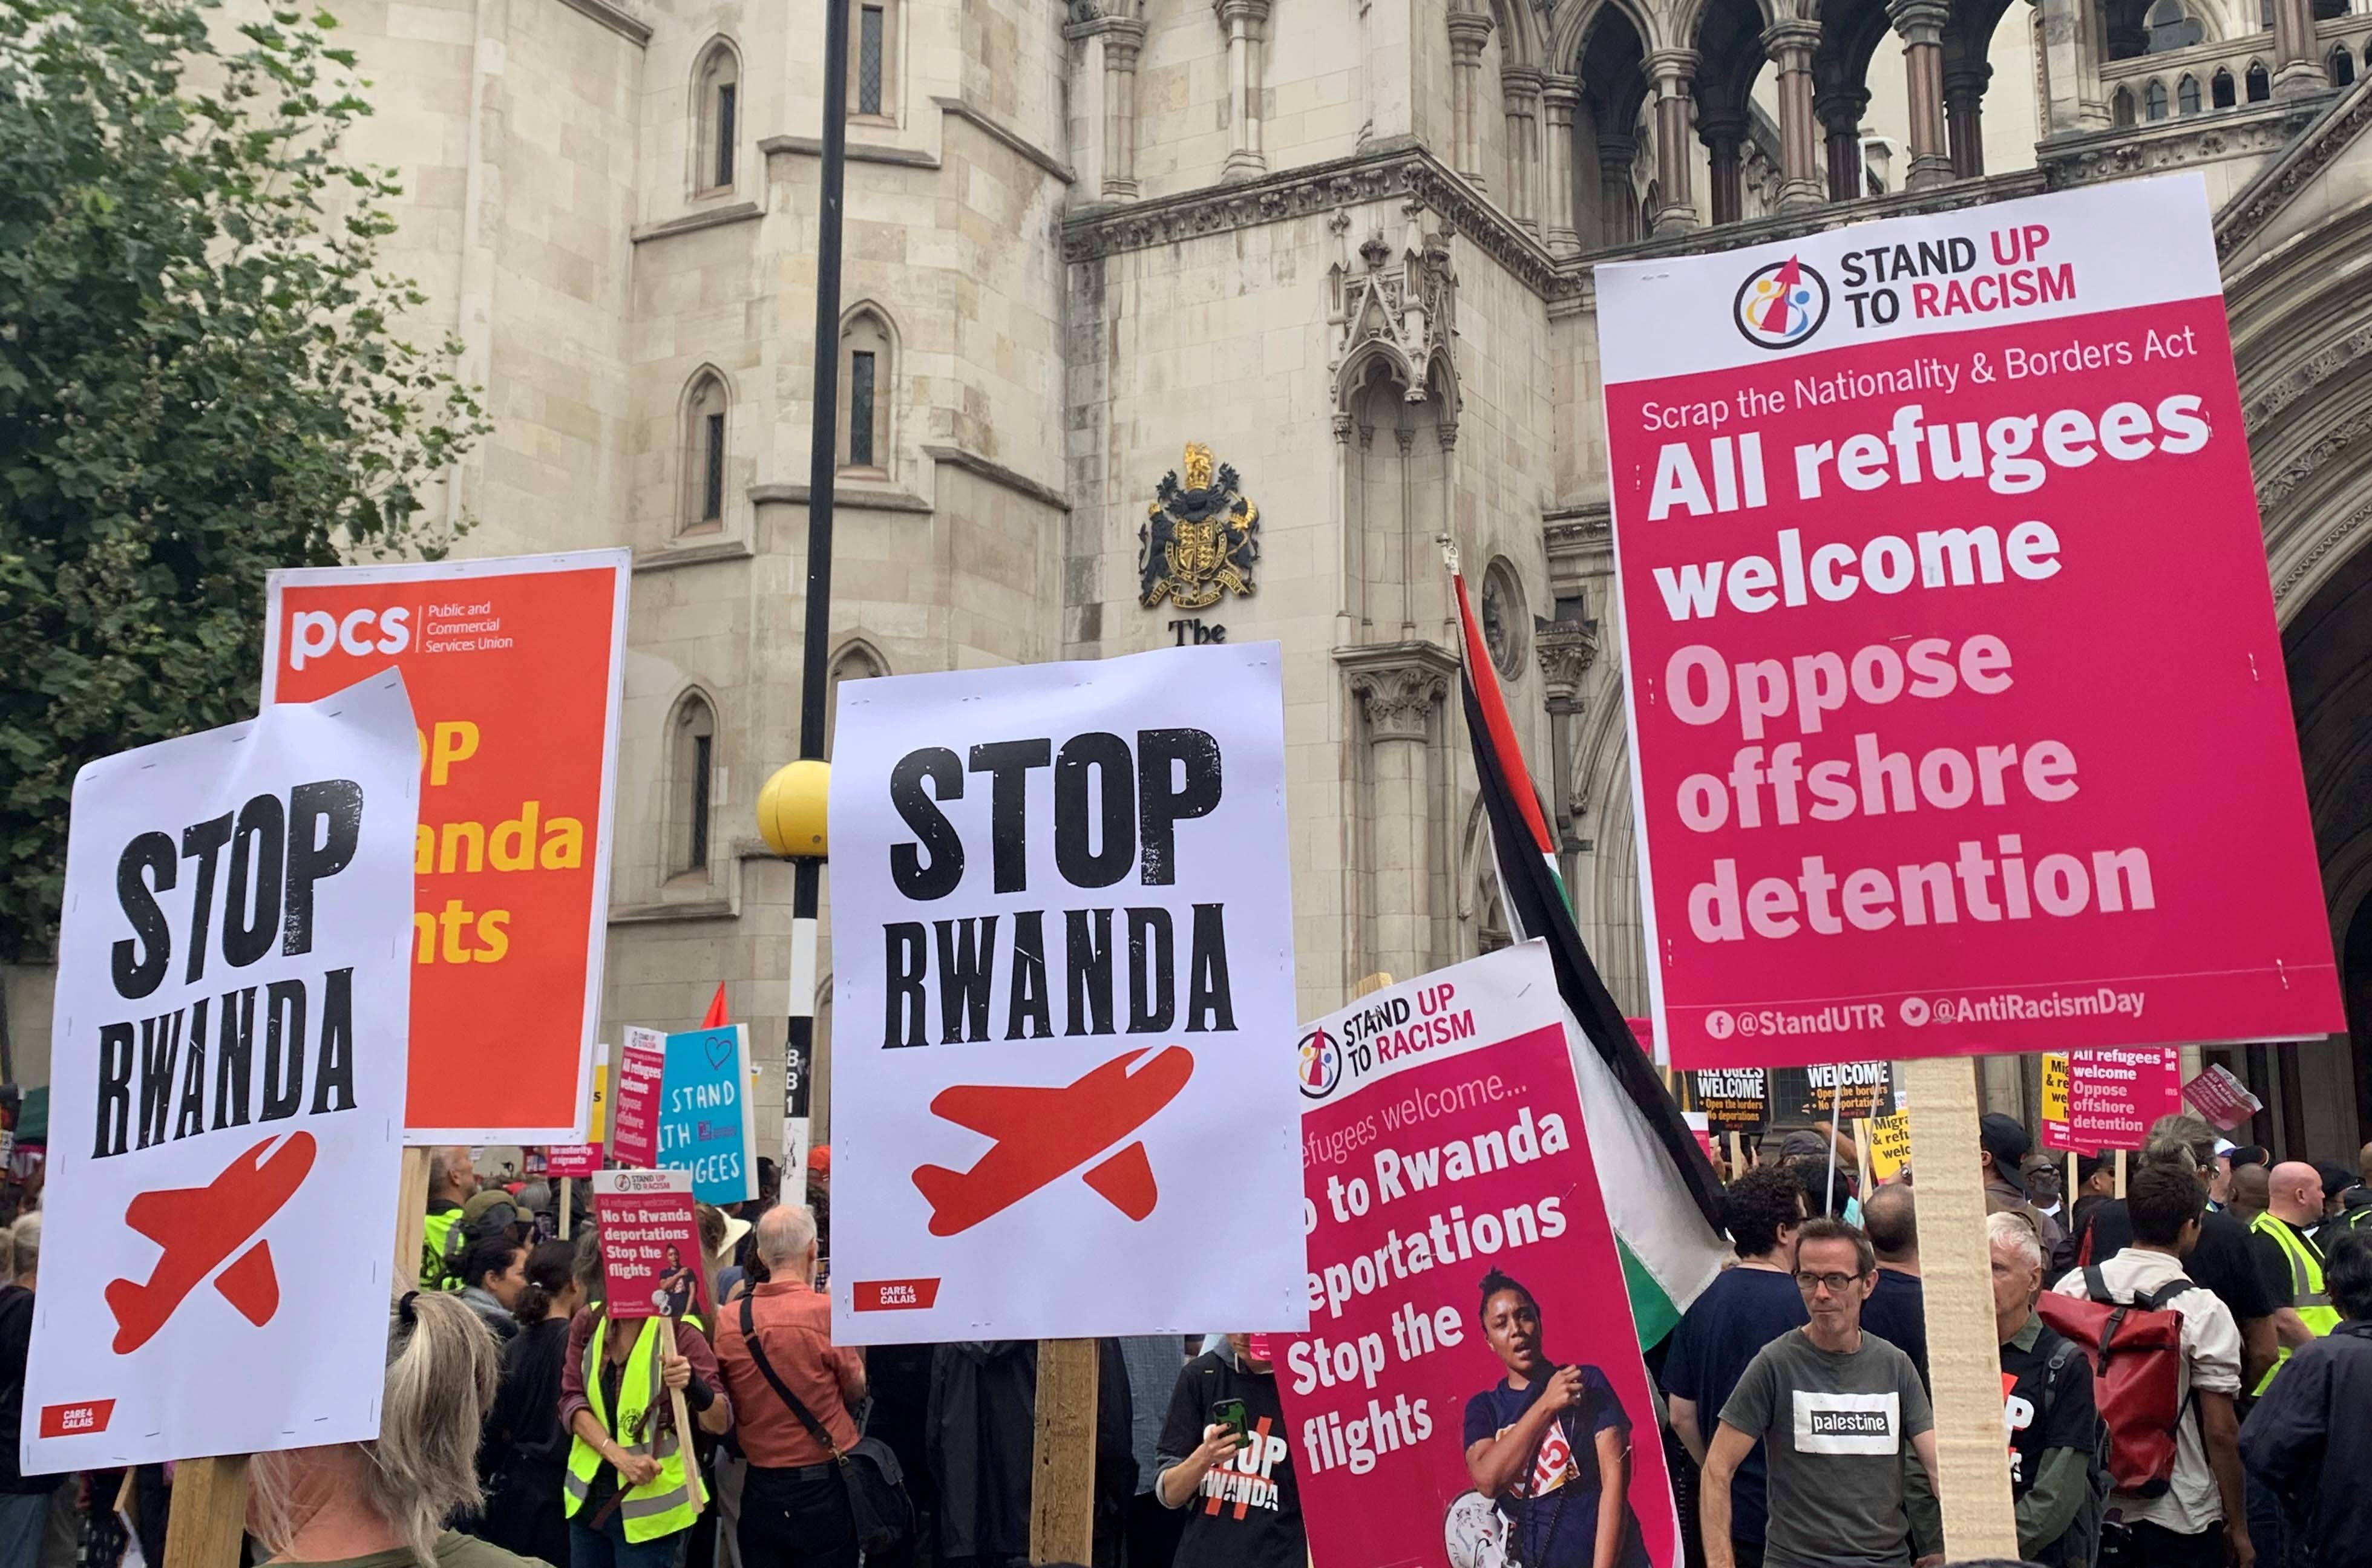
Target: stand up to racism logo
point(1781, 304)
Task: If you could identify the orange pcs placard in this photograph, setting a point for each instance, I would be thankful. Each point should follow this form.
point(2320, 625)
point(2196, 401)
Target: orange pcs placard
point(516, 669)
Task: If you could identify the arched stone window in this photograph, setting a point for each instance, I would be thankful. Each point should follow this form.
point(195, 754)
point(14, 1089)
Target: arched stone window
point(2260, 85)
point(703, 448)
point(2342, 67)
point(872, 60)
point(868, 382)
point(716, 119)
point(2171, 27)
point(858, 660)
point(2154, 100)
point(2219, 89)
point(692, 772)
point(2121, 107)
point(2186, 94)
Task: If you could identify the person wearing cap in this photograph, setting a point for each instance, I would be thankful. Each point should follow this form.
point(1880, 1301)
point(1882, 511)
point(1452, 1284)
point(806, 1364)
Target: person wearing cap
point(452, 1182)
point(2002, 1147)
point(2041, 1173)
point(2096, 1183)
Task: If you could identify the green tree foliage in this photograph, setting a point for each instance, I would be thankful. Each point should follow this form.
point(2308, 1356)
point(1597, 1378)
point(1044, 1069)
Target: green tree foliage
point(202, 378)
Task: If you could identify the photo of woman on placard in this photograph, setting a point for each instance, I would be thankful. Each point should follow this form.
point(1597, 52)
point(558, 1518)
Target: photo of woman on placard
point(1550, 1446)
point(676, 1286)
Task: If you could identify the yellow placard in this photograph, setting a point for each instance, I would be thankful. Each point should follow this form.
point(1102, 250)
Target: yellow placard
point(1889, 1145)
point(2055, 1087)
point(599, 1122)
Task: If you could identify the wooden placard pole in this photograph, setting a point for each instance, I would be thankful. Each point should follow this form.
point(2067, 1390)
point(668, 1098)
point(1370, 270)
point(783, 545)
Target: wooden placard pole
point(567, 1203)
point(2120, 1175)
point(208, 1526)
point(2068, 1197)
point(411, 1218)
point(1736, 1155)
point(683, 1416)
point(1861, 1154)
point(1062, 1468)
point(1956, 1266)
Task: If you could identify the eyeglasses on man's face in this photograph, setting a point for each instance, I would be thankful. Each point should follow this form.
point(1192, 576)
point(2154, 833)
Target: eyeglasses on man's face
point(1835, 1283)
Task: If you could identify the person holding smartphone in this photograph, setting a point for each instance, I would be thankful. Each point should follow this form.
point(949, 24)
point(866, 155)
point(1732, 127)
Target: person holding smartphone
point(1224, 1459)
point(1551, 1446)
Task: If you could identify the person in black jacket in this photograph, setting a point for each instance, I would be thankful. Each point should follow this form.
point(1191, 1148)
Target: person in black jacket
point(2308, 1440)
point(523, 1449)
point(982, 1426)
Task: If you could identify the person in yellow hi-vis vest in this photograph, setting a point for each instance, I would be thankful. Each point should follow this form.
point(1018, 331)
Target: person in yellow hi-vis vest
point(2291, 1262)
point(632, 1489)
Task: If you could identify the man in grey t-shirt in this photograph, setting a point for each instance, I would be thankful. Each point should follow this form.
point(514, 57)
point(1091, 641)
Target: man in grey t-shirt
point(1833, 1409)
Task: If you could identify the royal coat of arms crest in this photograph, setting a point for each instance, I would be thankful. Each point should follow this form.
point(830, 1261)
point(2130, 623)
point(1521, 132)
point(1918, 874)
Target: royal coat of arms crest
point(1200, 536)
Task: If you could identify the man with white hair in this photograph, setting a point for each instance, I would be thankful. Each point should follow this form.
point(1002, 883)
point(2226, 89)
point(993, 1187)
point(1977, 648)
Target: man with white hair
point(2048, 1413)
point(775, 1349)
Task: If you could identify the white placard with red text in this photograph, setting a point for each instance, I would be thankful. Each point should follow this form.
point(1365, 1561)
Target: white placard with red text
point(1944, 607)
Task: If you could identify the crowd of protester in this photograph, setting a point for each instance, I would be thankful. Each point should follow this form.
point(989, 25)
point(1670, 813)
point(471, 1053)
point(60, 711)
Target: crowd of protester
point(520, 1426)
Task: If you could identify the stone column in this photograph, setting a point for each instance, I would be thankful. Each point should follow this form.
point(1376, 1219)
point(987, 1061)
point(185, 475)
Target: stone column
point(1124, 37)
point(1243, 21)
point(1520, 89)
point(1790, 44)
point(1964, 98)
point(2300, 71)
point(1921, 24)
point(1723, 131)
point(1566, 649)
point(1468, 32)
point(1673, 72)
point(1840, 110)
point(1400, 688)
point(2072, 98)
point(1618, 203)
point(1560, 96)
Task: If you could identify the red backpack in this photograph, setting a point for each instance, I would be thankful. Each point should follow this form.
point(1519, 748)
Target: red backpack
point(2135, 1350)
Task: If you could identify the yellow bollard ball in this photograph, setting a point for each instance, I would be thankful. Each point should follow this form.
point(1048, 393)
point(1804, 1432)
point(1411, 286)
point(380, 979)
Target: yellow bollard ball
point(791, 809)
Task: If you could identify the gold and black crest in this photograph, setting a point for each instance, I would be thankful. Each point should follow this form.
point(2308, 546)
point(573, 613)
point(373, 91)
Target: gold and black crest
point(1199, 537)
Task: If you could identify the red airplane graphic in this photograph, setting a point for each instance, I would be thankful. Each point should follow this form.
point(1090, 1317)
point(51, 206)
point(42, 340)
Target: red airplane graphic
point(1044, 1134)
point(200, 1227)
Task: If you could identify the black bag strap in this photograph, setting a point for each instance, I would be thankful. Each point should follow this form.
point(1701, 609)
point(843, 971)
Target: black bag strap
point(2156, 1300)
point(782, 1389)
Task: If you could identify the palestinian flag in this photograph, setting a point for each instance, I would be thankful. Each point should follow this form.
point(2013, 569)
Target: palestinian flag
point(1660, 1191)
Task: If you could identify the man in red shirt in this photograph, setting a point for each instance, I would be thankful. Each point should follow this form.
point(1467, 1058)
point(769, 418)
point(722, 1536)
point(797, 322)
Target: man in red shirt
point(794, 1507)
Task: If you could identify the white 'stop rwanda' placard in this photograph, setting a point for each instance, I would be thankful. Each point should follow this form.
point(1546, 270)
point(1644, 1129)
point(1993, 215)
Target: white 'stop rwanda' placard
point(1064, 1098)
point(227, 1110)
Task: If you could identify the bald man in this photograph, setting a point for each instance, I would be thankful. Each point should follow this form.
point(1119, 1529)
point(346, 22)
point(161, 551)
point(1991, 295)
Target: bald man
point(2252, 1186)
point(2287, 1257)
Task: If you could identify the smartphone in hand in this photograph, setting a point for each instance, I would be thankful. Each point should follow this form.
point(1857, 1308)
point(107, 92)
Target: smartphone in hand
point(1231, 1414)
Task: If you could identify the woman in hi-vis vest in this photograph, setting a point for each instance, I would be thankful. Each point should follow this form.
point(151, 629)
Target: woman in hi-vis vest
point(633, 1488)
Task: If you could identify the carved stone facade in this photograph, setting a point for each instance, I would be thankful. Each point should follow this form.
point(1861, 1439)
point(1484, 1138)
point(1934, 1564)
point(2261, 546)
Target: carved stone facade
point(1348, 249)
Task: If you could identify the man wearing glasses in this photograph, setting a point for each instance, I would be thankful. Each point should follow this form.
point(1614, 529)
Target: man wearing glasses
point(1833, 1409)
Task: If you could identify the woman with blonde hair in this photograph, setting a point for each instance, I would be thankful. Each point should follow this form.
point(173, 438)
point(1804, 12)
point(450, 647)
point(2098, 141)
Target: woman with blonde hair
point(384, 1504)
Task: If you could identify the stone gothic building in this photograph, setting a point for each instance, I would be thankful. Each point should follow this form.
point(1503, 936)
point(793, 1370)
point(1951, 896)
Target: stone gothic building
point(1346, 245)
